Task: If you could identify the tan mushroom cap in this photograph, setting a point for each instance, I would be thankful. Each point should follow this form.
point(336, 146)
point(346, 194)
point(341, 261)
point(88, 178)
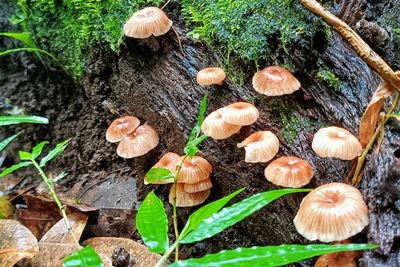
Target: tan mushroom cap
point(198, 187)
point(260, 146)
point(138, 143)
point(212, 75)
point(332, 212)
point(275, 80)
point(121, 127)
point(146, 22)
point(240, 113)
point(167, 161)
point(336, 142)
point(193, 170)
point(289, 172)
point(215, 127)
point(185, 199)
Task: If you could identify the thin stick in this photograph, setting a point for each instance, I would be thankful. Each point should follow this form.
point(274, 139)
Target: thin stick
point(179, 40)
point(166, 4)
point(358, 44)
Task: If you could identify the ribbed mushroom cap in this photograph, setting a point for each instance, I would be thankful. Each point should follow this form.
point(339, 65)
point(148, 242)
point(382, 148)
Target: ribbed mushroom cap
point(121, 127)
point(138, 143)
point(240, 113)
point(184, 199)
point(275, 80)
point(212, 75)
point(332, 212)
point(198, 187)
point(146, 22)
point(167, 161)
point(193, 170)
point(215, 127)
point(260, 146)
point(289, 172)
point(336, 142)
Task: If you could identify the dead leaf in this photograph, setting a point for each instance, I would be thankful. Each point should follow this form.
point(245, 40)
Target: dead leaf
point(59, 232)
point(52, 255)
point(115, 222)
point(106, 246)
point(371, 113)
point(16, 243)
point(6, 208)
point(106, 260)
point(8, 182)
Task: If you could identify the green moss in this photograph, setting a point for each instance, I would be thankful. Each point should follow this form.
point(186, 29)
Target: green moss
point(391, 20)
point(250, 29)
point(329, 78)
point(68, 28)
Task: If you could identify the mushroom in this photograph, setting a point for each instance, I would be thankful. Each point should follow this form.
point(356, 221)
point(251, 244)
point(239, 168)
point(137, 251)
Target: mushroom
point(146, 22)
point(198, 187)
point(240, 113)
point(260, 146)
point(193, 170)
point(332, 212)
point(339, 259)
point(289, 172)
point(336, 142)
point(212, 75)
point(215, 127)
point(185, 199)
point(138, 143)
point(275, 80)
point(121, 127)
point(167, 161)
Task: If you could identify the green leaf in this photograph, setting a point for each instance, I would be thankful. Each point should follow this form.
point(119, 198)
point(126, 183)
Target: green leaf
point(22, 36)
point(158, 174)
point(268, 256)
point(59, 177)
point(9, 120)
point(205, 212)
point(38, 149)
point(15, 167)
point(395, 116)
point(152, 223)
point(60, 147)
point(5, 142)
point(86, 257)
point(6, 208)
point(231, 215)
point(193, 140)
point(23, 155)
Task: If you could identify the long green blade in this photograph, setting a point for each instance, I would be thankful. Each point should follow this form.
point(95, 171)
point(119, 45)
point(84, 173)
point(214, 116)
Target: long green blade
point(268, 256)
point(15, 167)
point(5, 142)
point(9, 120)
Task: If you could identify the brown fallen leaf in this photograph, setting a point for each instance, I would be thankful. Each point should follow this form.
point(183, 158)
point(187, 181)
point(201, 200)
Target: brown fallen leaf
point(106, 246)
point(16, 243)
point(59, 232)
point(52, 255)
point(371, 113)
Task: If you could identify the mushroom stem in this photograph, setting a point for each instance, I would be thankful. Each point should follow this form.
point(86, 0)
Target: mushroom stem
point(360, 163)
point(358, 44)
point(179, 40)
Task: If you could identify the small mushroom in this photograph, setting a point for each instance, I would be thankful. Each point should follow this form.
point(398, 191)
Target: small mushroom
point(336, 142)
point(215, 127)
point(289, 172)
point(260, 146)
point(332, 212)
point(185, 199)
point(339, 259)
point(146, 22)
point(138, 143)
point(209, 76)
point(167, 161)
point(121, 127)
point(193, 170)
point(198, 187)
point(274, 81)
point(240, 113)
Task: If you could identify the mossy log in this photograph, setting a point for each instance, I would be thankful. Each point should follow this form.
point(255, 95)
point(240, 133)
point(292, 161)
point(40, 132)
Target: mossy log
point(154, 81)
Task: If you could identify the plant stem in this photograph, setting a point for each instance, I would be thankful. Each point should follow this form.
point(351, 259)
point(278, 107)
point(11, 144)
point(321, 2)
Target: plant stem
point(53, 194)
point(166, 254)
point(175, 217)
point(360, 163)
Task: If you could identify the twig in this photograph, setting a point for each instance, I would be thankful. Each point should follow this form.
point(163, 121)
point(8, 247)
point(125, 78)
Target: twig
point(361, 47)
point(179, 40)
point(165, 4)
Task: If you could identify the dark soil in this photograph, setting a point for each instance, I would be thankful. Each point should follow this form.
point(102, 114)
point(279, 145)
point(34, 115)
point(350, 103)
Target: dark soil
point(155, 82)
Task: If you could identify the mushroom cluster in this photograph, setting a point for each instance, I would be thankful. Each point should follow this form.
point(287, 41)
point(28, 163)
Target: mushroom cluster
point(193, 178)
point(134, 139)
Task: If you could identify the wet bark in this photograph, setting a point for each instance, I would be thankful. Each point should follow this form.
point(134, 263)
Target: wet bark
point(152, 80)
